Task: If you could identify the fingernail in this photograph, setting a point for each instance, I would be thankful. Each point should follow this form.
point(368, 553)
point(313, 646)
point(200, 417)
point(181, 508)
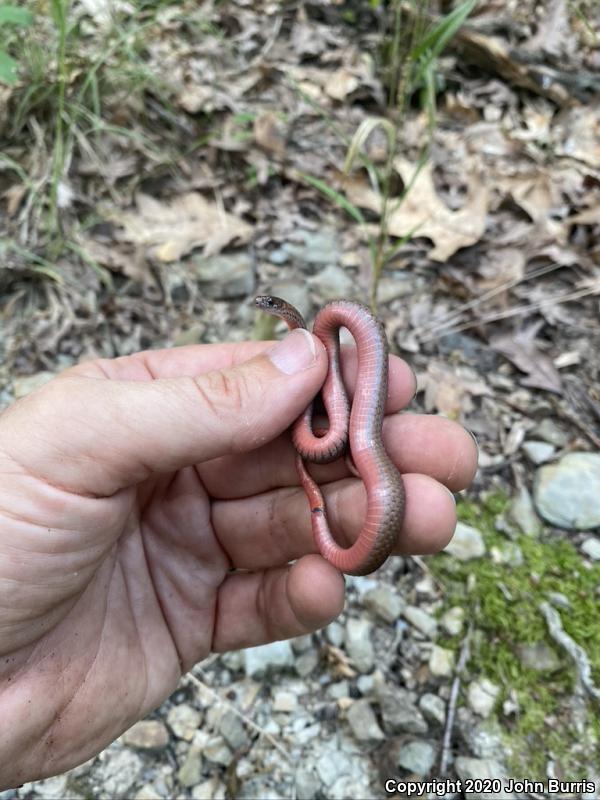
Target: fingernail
point(417, 387)
point(474, 439)
point(294, 353)
point(452, 495)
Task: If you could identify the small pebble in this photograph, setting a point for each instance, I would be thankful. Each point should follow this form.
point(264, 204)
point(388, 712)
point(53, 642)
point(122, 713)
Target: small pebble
point(285, 702)
point(467, 543)
point(184, 721)
point(363, 722)
point(452, 621)
point(441, 662)
point(421, 620)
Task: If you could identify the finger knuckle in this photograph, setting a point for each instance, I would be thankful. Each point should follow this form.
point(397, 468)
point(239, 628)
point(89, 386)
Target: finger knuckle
point(224, 394)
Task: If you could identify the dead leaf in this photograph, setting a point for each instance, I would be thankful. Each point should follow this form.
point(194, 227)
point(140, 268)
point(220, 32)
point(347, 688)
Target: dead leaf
point(503, 267)
point(516, 436)
point(194, 98)
point(112, 168)
point(232, 137)
point(532, 193)
point(494, 55)
point(578, 128)
point(341, 83)
point(589, 216)
point(423, 212)
point(340, 665)
point(173, 228)
point(537, 120)
point(14, 196)
point(522, 351)
point(449, 390)
point(5, 94)
point(113, 259)
point(311, 39)
point(553, 33)
point(268, 134)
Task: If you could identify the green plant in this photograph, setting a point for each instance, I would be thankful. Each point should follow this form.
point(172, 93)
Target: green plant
point(11, 16)
point(71, 90)
point(584, 15)
point(59, 13)
point(409, 56)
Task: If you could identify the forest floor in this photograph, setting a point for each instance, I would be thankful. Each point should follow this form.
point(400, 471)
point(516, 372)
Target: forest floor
point(173, 159)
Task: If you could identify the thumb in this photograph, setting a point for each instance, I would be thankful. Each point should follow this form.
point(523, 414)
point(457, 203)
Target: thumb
point(97, 436)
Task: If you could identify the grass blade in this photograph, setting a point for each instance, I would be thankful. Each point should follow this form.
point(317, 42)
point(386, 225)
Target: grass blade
point(335, 196)
point(432, 44)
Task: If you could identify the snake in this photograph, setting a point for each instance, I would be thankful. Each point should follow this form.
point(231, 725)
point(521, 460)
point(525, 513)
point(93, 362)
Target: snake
point(354, 430)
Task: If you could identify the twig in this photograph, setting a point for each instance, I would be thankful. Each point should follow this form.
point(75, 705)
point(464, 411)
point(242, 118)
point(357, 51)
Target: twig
point(577, 653)
point(452, 702)
point(574, 418)
point(525, 308)
point(216, 697)
point(425, 568)
point(445, 320)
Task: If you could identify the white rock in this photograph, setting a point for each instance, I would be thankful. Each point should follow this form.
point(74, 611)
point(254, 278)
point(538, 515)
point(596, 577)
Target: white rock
point(385, 602)
point(119, 773)
point(184, 721)
point(190, 771)
point(453, 620)
point(363, 722)
point(232, 730)
point(418, 757)
point(258, 660)
point(566, 493)
point(147, 792)
point(467, 543)
point(364, 684)
point(591, 548)
point(302, 643)
point(433, 707)
point(307, 783)
point(399, 711)
point(421, 620)
point(538, 452)
point(335, 634)
point(285, 702)
point(147, 734)
point(209, 790)
point(306, 663)
point(482, 695)
point(509, 553)
point(216, 750)
point(441, 662)
point(359, 645)
point(338, 690)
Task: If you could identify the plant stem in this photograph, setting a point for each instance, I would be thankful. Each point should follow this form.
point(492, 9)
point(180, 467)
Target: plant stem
point(58, 155)
point(399, 90)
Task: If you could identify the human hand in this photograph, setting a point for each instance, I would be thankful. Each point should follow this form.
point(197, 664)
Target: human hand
point(130, 488)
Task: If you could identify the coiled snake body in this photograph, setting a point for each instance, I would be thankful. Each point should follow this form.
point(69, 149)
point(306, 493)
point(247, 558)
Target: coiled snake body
point(359, 426)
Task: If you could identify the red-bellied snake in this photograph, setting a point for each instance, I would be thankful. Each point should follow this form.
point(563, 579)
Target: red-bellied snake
point(360, 427)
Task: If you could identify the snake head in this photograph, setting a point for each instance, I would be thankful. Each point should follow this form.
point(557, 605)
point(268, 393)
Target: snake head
point(264, 301)
point(270, 304)
point(280, 308)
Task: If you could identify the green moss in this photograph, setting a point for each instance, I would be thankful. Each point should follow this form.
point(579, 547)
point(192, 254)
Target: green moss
point(502, 602)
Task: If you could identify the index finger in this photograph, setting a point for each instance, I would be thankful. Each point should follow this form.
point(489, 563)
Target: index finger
point(196, 359)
